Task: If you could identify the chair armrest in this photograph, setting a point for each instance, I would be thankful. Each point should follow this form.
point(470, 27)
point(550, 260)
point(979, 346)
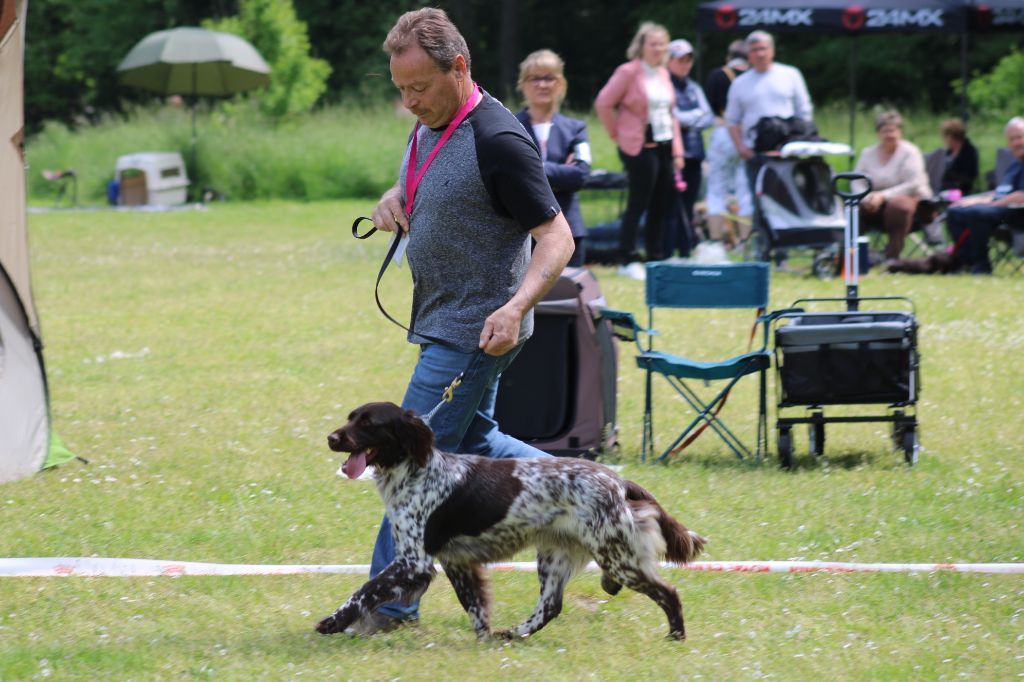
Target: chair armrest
point(624, 326)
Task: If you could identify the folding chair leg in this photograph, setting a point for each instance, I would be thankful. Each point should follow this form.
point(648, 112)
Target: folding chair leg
point(647, 444)
point(762, 421)
point(705, 412)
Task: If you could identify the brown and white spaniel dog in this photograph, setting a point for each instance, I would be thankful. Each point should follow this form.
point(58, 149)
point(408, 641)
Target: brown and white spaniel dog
point(466, 511)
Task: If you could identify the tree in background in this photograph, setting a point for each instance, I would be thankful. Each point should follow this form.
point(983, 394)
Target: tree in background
point(297, 80)
point(74, 46)
point(1000, 93)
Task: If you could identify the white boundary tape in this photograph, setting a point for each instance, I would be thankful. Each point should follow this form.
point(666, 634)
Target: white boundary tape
point(104, 567)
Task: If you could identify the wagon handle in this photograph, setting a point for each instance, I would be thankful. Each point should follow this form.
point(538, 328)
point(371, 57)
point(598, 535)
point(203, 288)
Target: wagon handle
point(853, 197)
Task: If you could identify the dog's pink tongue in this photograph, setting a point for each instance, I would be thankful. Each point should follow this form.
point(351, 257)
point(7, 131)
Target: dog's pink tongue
point(354, 465)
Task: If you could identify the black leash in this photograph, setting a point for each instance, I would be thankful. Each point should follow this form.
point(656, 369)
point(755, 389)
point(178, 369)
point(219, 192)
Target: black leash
point(383, 267)
point(447, 395)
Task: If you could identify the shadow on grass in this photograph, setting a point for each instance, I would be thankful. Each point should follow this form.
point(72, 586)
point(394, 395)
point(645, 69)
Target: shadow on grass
point(802, 461)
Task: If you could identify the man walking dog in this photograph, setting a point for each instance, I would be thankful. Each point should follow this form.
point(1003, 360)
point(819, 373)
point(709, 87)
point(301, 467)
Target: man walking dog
point(471, 193)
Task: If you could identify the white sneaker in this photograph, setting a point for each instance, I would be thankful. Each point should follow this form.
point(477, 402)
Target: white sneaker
point(634, 270)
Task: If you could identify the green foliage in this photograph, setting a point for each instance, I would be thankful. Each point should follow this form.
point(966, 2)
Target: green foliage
point(297, 80)
point(73, 48)
point(342, 151)
point(1000, 92)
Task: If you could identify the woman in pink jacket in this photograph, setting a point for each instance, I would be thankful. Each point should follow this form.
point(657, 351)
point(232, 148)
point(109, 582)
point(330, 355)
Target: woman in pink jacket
point(635, 106)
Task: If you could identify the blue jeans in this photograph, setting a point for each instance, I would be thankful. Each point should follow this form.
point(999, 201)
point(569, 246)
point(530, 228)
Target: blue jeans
point(980, 219)
point(465, 425)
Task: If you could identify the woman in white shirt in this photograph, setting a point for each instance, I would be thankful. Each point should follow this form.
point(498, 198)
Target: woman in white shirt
point(899, 180)
point(635, 106)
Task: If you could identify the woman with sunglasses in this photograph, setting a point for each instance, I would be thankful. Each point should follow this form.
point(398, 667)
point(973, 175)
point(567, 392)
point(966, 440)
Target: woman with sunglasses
point(562, 141)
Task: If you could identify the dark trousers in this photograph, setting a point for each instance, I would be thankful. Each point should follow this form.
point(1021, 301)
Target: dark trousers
point(896, 217)
point(679, 231)
point(650, 189)
point(980, 219)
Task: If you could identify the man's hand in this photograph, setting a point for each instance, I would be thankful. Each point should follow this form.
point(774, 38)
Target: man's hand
point(745, 152)
point(501, 330)
point(389, 215)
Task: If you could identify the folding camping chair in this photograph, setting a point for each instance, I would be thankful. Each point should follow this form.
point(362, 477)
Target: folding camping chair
point(928, 234)
point(678, 285)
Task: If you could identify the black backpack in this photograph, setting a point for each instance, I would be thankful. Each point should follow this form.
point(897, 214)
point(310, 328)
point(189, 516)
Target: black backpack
point(771, 132)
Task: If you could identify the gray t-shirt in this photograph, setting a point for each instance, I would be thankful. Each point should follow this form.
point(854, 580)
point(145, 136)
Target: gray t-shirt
point(779, 91)
point(469, 244)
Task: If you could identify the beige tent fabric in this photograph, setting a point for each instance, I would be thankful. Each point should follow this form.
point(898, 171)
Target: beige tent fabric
point(13, 238)
point(24, 414)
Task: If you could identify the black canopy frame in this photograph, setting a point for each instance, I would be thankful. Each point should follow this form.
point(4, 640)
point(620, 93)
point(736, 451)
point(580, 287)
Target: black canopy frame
point(863, 17)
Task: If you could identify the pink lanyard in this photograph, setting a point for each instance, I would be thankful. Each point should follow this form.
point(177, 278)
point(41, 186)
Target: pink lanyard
point(412, 178)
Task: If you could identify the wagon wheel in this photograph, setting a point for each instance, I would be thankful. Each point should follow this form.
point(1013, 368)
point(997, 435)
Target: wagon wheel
point(816, 436)
point(910, 444)
point(786, 448)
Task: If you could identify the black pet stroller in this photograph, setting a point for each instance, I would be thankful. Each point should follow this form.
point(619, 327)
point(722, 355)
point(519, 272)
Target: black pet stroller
point(558, 395)
point(851, 357)
point(796, 204)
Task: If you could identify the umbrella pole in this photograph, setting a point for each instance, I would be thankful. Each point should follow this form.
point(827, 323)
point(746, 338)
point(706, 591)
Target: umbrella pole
point(853, 99)
point(195, 141)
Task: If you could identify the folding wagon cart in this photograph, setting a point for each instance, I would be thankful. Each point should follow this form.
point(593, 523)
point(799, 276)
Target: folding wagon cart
point(849, 357)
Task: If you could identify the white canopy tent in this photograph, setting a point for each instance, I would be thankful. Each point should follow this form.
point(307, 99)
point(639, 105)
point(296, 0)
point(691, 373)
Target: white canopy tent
point(24, 402)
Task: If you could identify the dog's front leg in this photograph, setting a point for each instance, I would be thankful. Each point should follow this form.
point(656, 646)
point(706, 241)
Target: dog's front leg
point(403, 580)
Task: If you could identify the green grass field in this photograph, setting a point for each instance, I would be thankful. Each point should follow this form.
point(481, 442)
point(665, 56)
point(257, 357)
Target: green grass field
point(198, 359)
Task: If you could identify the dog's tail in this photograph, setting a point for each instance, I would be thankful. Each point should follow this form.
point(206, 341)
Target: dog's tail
point(681, 545)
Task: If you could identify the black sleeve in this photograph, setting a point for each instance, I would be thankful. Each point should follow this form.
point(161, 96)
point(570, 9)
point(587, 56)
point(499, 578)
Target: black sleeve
point(963, 170)
point(513, 174)
point(717, 91)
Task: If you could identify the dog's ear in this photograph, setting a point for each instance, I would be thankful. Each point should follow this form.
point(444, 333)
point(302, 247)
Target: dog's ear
point(419, 437)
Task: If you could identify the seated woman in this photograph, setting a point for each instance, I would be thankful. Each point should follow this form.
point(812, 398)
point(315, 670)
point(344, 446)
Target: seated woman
point(961, 158)
point(896, 169)
point(562, 141)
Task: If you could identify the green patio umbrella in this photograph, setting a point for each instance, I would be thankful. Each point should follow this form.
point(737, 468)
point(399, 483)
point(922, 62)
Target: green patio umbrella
point(194, 62)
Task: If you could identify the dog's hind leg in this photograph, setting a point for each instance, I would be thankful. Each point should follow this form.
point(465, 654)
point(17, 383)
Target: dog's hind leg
point(645, 580)
point(472, 589)
point(555, 565)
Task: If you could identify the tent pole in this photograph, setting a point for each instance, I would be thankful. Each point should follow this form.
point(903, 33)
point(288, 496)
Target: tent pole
point(853, 99)
point(699, 66)
point(963, 76)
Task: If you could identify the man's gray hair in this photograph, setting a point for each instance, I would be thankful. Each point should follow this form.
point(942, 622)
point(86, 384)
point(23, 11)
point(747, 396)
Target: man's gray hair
point(1015, 122)
point(432, 30)
point(760, 37)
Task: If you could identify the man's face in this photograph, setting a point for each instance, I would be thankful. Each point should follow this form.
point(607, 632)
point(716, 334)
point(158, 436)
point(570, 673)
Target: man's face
point(760, 55)
point(1015, 141)
point(428, 92)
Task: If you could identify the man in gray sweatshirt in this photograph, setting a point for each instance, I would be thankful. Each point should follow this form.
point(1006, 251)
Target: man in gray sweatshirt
point(767, 88)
